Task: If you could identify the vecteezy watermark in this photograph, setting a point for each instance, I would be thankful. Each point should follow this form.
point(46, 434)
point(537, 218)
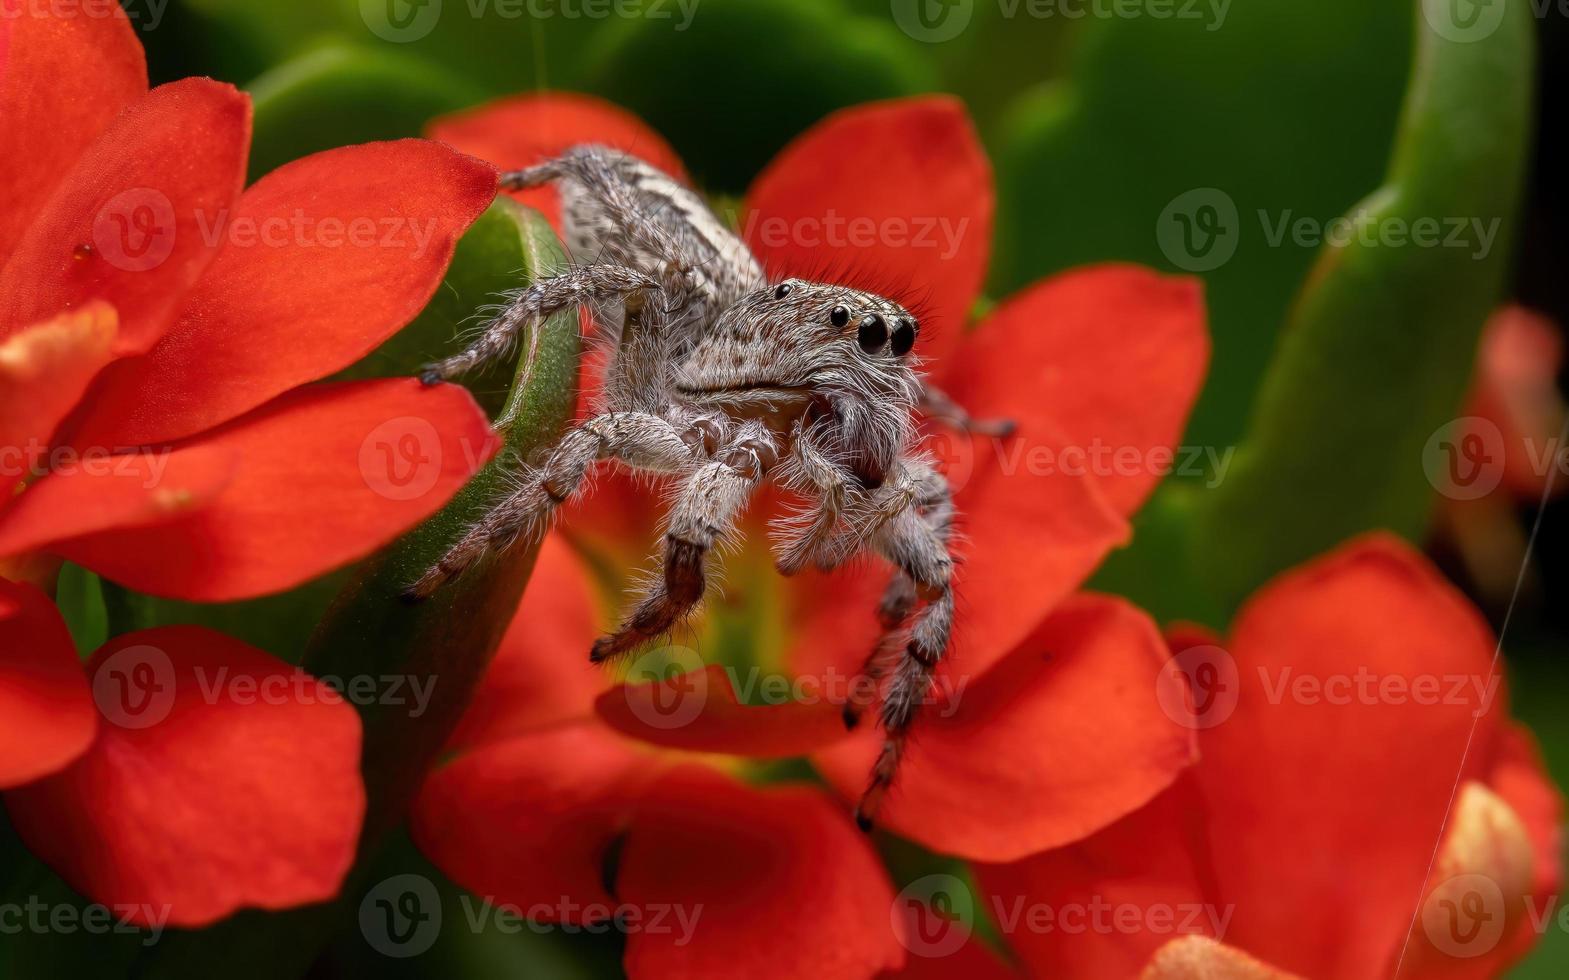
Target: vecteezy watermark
point(36, 459)
point(402, 916)
point(934, 916)
point(1200, 229)
point(401, 458)
point(1466, 458)
point(406, 21)
point(136, 688)
point(138, 229)
point(935, 21)
point(960, 455)
point(144, 15)
point(1198, 687)
point(1465, 21)
point(668, 687)
point(39, 917)
point(831, 229)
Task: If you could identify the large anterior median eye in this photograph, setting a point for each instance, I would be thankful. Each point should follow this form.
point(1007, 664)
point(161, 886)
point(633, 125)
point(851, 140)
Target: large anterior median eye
point(873, 334)
point(903, 338)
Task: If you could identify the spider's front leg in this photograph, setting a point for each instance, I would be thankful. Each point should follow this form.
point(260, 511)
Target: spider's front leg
point(937, 404)
point(639, 439)
point(808, 469)
point(915, 540)
point(529, 307)
point(704, 513)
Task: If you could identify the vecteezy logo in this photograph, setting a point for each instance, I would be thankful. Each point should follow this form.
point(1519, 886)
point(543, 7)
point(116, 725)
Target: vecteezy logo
point(666, 688)
point(954, 453)
point(1464, 459)
point(400, 21)
point(933, 916)
point(135, 230)
point(134, 687)
point(1198, 231)
point(1199, 687)
point(401, 917)
point(1464, 916)
point(401, 458)
point(933, 21)
point(1463, 21)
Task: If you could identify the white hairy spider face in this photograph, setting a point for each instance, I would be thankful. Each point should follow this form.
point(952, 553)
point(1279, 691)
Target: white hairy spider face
point(784, 344)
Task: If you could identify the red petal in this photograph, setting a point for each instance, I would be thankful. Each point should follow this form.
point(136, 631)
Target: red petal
point(774, 883)
point(1519, 776)
point(896, 196)
point(541, 675)
point(528, 821)
point(48, 710)
point(1110, 356)
point(134, 221)
point(327, 474)
point(1049, 746)
point(62, 79)
point(1101, 907)
point(1517, 392)
point(699, 711)
point(324, 258)
point(94, 492)
point(222, 778)
point(43, 370)
point(1026, 542)
point(523, 130)
point(1315, 760)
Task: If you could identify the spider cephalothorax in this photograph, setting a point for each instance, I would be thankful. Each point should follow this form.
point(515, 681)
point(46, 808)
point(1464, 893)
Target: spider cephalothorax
point(721, 379)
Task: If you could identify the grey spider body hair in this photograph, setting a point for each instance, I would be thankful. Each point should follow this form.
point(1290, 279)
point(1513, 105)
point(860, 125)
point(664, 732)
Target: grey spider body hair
point(722, 380)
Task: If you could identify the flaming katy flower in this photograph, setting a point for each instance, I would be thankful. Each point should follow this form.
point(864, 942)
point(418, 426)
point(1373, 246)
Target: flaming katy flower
point(1043, 729)
point(1325, 832)
point(157, 325)
point(158, 330)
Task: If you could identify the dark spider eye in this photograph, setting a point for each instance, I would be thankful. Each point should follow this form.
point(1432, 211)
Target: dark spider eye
point(783, 290)
point(903, 338)
point(840, 316)
point(873, 335)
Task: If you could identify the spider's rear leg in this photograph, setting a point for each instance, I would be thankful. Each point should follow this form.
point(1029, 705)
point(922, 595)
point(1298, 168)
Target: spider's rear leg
point(530, 306)
point(703, 514)
point(641, 440)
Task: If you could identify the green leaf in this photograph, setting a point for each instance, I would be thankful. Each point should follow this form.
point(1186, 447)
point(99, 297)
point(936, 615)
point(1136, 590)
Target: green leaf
point(80, 597)
point(445, 642)
point(1286, 108)
point(745, 76)
point(1379, 350)
point(339, 95)
point(449, 638)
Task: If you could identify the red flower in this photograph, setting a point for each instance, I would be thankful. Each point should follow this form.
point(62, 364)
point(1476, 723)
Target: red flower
point(1326, 824)
point(197, 776)
point(157, 330)
point(1056, 733)
point(156, 325)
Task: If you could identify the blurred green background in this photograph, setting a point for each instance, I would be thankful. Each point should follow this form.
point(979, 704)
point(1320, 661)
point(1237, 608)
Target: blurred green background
point(1096, 125)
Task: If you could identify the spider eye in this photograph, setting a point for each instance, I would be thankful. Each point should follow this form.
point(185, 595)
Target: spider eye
point(903, 338)
point(839, 317)
point(873, 334)
point(783, 290)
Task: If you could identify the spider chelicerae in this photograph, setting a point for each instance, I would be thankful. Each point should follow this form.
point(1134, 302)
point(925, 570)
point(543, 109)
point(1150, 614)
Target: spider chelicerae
point(722, 379)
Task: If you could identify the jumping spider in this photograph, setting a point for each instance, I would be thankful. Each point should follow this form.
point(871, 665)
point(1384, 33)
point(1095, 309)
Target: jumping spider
point(723, 379)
